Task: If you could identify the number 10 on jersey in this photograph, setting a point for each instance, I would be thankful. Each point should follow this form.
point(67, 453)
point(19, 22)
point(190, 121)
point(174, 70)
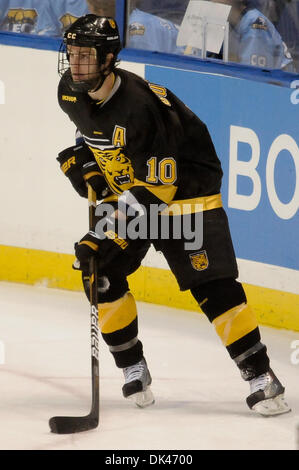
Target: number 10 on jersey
point(164, 171)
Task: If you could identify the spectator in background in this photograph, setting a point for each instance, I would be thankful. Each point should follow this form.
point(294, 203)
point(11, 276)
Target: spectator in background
point(272, 9)
point(150, 32)
point(47, 17)
point(63, 13)
point(288, 27)
point(172, 10)
point(25, 16)
point(102, 7)
point(253, 39)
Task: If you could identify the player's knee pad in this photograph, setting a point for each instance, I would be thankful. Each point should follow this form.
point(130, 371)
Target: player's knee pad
point(224, 303)
point(219, 296)
point(110, 288)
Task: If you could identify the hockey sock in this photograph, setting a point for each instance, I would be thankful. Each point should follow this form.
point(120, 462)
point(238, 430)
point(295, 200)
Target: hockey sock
point(118, 323)
point(224, 303)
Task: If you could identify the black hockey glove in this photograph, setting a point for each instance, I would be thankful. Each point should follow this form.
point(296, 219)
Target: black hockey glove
point(78, 165)
point(104, 246)
point(71, 162)
point(93, 176)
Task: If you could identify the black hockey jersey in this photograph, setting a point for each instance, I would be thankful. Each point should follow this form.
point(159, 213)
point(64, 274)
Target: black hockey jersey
point(145, 140)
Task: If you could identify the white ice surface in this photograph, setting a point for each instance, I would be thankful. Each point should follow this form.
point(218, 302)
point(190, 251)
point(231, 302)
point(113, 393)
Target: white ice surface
point(200, 396)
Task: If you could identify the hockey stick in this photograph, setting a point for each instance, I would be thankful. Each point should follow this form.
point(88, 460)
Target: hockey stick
point(72, 424)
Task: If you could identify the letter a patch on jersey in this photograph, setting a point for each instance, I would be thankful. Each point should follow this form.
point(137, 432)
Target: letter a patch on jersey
point(119, 136)
point(199, 260)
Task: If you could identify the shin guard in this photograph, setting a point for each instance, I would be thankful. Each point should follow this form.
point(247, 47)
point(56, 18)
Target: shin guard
point(224, 302)
point(118, 323)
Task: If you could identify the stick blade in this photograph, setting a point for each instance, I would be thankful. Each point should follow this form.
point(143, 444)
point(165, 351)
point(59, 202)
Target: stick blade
point(72, 424)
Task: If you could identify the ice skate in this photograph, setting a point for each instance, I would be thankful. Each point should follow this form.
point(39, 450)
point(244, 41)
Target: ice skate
point(137, 381)
point(267, 395)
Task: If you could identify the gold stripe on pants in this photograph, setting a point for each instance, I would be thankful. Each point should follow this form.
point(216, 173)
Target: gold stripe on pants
point(116, 315)
point(235, 323)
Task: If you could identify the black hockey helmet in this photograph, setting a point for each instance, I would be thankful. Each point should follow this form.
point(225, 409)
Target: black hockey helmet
point(98, 32)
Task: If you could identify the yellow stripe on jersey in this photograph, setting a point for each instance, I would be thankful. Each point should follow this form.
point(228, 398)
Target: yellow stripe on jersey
point(165, 192)
point(116, 315)
point(191, 206)
point(235, 323)
point(111, 198)
point(183, 206)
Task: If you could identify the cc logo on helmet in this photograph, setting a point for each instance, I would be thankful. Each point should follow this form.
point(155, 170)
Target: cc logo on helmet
point(71, 35)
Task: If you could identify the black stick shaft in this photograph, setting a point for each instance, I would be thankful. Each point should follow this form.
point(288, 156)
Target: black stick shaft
point(94, 313)
point(72, 424)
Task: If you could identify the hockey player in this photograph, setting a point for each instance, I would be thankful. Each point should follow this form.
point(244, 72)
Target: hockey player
point(144, 145)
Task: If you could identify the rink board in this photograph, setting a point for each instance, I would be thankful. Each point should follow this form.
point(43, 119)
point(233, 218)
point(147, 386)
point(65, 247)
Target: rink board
point(148, 284)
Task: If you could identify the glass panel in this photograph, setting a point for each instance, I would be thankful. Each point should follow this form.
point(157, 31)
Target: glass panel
point(286, 20)
point(262, 33)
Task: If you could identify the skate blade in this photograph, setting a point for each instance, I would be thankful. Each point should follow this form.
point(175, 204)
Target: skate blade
point(143, 399)
point(272, 406)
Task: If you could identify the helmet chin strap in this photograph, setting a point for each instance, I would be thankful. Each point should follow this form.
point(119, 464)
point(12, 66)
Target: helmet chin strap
point(86, 86)
point(92, 85)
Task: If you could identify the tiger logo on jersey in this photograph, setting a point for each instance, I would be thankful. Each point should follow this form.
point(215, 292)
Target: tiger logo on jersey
point(116, 168)
point(199, 260)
